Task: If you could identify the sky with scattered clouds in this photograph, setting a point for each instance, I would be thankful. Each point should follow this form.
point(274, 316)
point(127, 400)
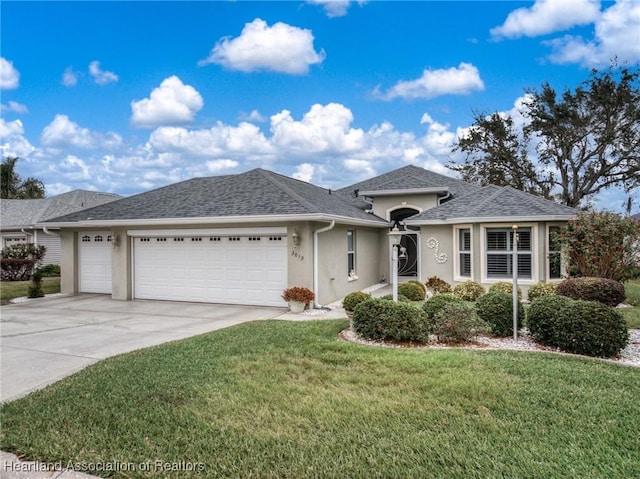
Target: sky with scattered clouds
point(129, 96)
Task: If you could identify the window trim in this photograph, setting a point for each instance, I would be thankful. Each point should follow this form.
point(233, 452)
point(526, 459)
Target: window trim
point(534, 252)
point(352, 274)
point(456, 257)
point(547, 253)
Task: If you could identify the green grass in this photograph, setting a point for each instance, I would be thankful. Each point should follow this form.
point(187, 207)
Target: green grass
point(632, 315)
point(275, 399)
point(16, 289)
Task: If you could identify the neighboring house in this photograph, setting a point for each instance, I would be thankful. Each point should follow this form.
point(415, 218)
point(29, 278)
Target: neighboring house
point(242, 239)
point(19, 217)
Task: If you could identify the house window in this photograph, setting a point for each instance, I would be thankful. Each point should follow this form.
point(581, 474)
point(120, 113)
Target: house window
point(554, 258)
point(464, 252)
point(499, 253)
point(351, 253)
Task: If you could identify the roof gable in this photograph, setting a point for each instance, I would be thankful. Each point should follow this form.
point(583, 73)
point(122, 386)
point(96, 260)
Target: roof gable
point(494, 202)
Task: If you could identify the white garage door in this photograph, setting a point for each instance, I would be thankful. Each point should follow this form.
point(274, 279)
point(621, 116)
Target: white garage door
point(95, 262)
point(211, 268)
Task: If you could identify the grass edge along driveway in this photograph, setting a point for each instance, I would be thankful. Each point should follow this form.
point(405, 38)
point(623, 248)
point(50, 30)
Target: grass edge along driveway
point(282, 399)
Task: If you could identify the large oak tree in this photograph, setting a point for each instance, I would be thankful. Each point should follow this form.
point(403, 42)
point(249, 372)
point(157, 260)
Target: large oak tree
point(570, 146)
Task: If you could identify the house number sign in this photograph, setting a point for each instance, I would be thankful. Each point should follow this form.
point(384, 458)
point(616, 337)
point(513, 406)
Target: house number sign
point(433, 243)
point(297, 255)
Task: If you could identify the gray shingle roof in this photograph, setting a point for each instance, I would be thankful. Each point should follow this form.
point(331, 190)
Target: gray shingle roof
point(25, 213)
point(253, 193)
point(493, 202)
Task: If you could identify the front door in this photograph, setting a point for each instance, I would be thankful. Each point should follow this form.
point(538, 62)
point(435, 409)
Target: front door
point(408, 253)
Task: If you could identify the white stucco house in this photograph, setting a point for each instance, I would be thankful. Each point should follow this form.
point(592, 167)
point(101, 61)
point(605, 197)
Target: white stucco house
point(18, 219)
point(243, 238)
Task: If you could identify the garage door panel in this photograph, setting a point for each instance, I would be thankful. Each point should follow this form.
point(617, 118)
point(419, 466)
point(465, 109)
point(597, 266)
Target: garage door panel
point(95, 262)
point(233, 269)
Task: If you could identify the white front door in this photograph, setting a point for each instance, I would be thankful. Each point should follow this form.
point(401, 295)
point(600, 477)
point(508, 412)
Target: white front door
point(211, 268)
point(95, 262)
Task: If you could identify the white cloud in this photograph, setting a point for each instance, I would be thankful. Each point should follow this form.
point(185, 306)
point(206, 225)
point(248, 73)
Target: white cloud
point(323, 129)
point(362, 168)
point(451, 81)
point(304, 172)
point(99, 76)
point(70, 77)
point(245, 141)
point(333, 8)
point(64, 133)
point(9, 76)
point(617, 35)
point(547, 16)
point(12, 139)
point(254, 116)
point(14, 107)
point(74, 169)
point(170, 103)
point(216, 166)
point(280, 48)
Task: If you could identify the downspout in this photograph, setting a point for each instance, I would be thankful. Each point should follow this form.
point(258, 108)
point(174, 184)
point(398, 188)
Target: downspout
point(316, 279)
point(46, 230)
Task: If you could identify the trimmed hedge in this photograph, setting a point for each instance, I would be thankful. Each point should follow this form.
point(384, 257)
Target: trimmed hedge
point(541, 289)
point(576, 326)
point(438, 301)
point(469, 290)
point(350, 301)
point(382, 320)
point(457, 323)
point(605, 291)
point(413, 290)
point(496, 309)
point(505, 287)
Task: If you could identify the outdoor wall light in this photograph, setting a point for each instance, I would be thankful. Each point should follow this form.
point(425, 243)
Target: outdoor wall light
point(115, 240)
point(295, 237)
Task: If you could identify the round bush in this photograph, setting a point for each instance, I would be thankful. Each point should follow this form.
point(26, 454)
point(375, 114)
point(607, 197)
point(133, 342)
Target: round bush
point(457, 323)
point(469, 290)
point(437, 285)
point(505, 287)
point(496, 309)
point(401, 298)
point(422, 286)
point(580, 327)
point(541, 289)
point(382, 320)
point(438, 301)
point(413, 291)
point(605, 291)
point(352, 300)
point(545, 317)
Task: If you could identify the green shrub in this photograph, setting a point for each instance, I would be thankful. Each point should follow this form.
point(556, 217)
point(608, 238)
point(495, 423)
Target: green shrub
point(541, 289)
point(496, 309)
point(437, 285)
point(581, 327)
point(469, 290)
point(457, 323)
point(422, 286)
point(50, 271)
point(350, 301)
point(383, 320)
point(438, 301)
point(605, 291)
point(544, 318)
point(35, 288)
point(412, 290)
point(18, 261)
point(401, 298)
point(505, 287)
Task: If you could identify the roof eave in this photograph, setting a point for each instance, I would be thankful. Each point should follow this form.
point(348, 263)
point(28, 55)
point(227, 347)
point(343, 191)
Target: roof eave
point(375, 222)
point(404, 192)
point(490, 219)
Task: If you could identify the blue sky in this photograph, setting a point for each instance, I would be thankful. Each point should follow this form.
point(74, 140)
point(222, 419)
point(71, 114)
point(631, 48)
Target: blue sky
point(129, 96)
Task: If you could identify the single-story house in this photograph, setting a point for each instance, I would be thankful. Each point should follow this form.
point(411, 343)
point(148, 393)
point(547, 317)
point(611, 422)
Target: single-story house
point(19, 218)
point(243, 238)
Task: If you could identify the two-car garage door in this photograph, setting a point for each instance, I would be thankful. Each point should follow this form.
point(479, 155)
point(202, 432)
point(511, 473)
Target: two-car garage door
point(226, 266)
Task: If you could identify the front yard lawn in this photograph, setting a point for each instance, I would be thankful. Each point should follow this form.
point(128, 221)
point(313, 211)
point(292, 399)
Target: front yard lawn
point(632, 315)
point(290, 400)
point(16, 289)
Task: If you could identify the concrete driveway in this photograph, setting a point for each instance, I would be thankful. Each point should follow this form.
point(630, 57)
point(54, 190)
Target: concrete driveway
point(45, 340)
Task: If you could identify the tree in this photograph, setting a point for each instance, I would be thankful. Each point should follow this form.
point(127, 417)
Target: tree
point(604, 245)
point(585, 140)
point(13, 187)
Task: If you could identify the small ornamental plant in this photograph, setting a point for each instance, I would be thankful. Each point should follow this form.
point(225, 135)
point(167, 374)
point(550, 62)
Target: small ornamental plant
point(437, 285)
point(352, 300)
point(299, 294)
